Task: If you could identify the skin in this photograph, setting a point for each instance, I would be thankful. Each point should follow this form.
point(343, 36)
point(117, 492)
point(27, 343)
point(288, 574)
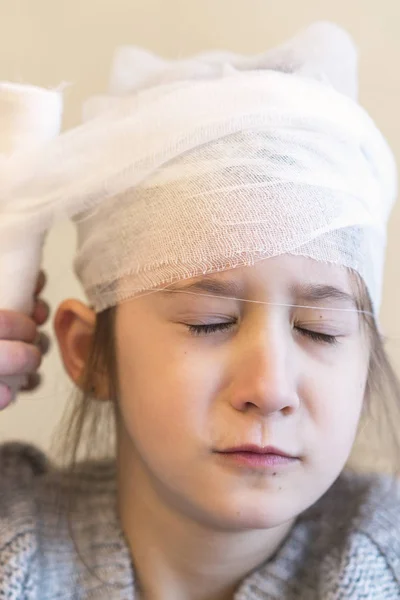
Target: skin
point(196, 521)
point(22, 345)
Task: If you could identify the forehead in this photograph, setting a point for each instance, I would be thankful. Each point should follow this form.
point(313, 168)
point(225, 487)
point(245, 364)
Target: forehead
point(283, 274)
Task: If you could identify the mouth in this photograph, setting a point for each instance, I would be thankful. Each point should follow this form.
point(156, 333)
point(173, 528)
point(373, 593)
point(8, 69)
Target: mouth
point(256, 457)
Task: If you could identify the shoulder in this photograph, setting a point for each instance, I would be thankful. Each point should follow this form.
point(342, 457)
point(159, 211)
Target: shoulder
point(368, 504)
point(373, 519)
point(357, 524)
point(21, 467)
point(345, 547)
point(60, 535)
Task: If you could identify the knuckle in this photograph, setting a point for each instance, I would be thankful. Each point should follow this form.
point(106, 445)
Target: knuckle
point(6, 325)
point(41, 312)
point(35, 358)
point(19, 357)
point(44, 343)
point(24, 358)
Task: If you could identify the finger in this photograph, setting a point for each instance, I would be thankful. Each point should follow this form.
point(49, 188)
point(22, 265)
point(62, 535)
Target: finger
point(41, 282)
point(34, 381)
point(16, 326)
point(41, 312)
point(5, 396)
point(17, 358)
point(43, 342)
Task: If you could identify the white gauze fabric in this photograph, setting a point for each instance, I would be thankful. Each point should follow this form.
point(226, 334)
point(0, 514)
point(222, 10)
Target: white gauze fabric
point(213, 162)
point(29, 117)
point(239, 159)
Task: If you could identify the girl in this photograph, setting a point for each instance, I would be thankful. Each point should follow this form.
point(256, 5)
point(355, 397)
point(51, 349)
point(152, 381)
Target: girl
point(233, 262)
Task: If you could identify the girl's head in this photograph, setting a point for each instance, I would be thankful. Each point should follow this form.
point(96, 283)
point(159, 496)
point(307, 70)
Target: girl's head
point(271, 355)
point(236, 289)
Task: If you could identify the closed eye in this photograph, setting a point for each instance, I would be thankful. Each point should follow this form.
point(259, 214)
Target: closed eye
point(210, 328)
point(317, 336)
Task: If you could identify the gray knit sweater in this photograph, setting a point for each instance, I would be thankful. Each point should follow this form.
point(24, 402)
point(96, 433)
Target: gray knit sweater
point(347, 546)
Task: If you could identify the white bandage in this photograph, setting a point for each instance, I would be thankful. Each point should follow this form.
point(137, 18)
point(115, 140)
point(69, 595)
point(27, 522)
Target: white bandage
point(217, 161)
point(29, 117)
point(223, 160)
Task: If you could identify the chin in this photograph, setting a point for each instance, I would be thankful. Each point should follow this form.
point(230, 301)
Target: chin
point(252, 522)
point(245, 515)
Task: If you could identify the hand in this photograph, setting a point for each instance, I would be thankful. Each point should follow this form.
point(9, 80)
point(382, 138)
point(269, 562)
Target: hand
point(21, 345)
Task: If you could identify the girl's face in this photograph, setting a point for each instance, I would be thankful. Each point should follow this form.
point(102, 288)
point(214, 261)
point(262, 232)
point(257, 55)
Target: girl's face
point(202, 377)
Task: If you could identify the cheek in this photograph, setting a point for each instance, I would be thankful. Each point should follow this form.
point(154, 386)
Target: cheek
point(335, 403)
point(165, 395)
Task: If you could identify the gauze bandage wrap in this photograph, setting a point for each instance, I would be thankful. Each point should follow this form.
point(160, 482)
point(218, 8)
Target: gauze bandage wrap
point(217, 161)
point(218, 207)
point(29, 117)
point(226, 160)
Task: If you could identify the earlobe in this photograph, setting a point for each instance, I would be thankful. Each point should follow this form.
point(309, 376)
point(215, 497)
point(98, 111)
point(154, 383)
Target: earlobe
point(74, 326)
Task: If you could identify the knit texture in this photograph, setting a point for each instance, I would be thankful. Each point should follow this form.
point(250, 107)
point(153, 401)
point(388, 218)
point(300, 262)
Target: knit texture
point(345, 547)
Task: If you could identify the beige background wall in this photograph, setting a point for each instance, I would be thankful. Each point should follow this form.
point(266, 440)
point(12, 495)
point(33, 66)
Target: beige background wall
point(48, 41)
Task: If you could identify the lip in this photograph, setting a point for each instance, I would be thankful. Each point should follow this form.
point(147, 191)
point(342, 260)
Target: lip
point(254, 449)
point(256, 457)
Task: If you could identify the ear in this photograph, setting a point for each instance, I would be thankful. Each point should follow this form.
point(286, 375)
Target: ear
point(74, 326)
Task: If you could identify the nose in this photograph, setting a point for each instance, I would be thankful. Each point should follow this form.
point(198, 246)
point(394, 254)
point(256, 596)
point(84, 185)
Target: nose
point(265, 375)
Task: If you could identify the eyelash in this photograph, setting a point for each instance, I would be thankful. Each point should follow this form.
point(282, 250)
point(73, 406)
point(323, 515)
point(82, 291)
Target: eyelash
point(207, 329)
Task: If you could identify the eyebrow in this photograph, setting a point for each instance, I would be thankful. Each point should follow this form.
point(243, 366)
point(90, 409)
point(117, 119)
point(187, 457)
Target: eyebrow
point(210, 285)
point(308, 293)
point(318, 292)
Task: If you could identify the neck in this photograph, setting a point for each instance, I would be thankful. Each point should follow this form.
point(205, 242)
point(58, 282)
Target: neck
point(177, 557)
